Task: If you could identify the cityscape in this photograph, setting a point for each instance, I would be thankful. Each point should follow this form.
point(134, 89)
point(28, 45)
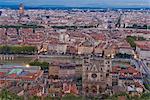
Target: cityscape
point(74, 53)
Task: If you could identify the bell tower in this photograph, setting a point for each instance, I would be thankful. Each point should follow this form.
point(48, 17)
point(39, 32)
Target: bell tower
point(21, 9)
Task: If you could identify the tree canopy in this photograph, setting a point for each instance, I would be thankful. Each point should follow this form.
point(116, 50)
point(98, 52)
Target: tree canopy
point(71, 97)
point(4, 49)
point(43, 65)
point(131, 40)
point(6, 95)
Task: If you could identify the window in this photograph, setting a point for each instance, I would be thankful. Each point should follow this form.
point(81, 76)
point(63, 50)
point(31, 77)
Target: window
point(87, 76)
point(101, 75)
point(94, 75)
point(87, 68)
point(108, 65)
point(107, 74)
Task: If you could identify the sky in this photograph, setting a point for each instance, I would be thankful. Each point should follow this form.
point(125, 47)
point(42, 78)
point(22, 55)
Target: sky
point(80, 3)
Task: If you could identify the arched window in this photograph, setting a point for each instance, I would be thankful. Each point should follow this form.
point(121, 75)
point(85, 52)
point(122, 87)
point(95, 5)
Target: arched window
point(86, 89)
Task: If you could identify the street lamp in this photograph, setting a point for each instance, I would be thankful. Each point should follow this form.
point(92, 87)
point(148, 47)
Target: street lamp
point(27, 65)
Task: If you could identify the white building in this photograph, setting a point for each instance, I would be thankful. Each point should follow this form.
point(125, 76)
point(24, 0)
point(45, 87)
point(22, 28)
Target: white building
point(143, 49)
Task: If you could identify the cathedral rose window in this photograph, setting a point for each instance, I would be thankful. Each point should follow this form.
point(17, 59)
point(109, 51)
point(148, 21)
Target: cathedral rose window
point(94, 75)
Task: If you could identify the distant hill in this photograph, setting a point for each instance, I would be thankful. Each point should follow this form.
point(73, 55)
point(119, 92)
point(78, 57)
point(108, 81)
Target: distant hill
point(62, 7)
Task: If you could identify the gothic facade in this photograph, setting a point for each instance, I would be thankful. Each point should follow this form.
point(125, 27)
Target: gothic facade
point(96, 75)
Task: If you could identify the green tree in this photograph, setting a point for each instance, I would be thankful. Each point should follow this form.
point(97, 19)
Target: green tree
point(145, 96)
point(51, 98)
point(35, 98)
point(131, 41)
point(72, 97)
point(43, 65)
point(18, 49)
point(6, 95)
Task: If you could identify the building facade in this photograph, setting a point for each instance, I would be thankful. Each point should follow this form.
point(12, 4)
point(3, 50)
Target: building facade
point(96, 75)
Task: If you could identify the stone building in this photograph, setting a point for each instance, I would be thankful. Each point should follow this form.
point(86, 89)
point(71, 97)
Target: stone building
point(21, 9)
point(96, 75)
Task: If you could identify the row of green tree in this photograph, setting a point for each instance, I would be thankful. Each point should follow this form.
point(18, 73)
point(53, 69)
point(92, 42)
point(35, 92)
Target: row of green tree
point(120, 55)
point(21, 26)
point(66, 97)
point(74, 27)
point(43, 65)
point(4, 49)
point(135, 26)
point(144, 96)
point(131, 40)
point(6, 95)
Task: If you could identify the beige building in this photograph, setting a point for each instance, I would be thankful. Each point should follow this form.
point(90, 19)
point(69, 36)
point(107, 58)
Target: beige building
point(54, 71)
point(100, 48)
point(65, 70)
point(86, 48)
point(61, 48)
point(125, 48)
point(57, 48)
point(143, 49)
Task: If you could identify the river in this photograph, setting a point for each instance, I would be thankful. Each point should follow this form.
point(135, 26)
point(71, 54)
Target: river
point(26, 60)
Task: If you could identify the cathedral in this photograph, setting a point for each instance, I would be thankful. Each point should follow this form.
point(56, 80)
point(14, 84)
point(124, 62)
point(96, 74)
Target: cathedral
point(96, 75)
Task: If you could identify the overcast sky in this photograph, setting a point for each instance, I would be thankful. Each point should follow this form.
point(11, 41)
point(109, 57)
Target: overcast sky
point(80, 3)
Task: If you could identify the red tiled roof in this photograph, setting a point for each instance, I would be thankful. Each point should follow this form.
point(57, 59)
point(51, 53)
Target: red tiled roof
point(12, 75)
point(115, 69)
point(98, 36)
point(34, 90)
point(137, 84)
point(143, 45)
point(2, 73)
point(129, 70)
point(126, 72)
point(101, 45)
